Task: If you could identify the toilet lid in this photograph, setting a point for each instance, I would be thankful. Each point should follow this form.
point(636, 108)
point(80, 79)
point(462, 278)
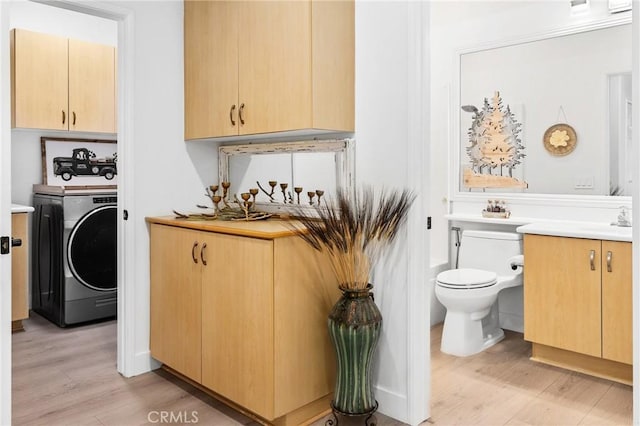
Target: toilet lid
point(466, 278)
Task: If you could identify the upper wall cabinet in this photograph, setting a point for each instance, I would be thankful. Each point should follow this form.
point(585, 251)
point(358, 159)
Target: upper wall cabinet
point(61, 84)
point(263, 67)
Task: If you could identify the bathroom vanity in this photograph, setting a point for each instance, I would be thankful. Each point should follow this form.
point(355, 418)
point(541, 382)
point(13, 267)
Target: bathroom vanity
point(577, 297)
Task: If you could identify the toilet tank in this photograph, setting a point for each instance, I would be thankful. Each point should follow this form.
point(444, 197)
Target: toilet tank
point(489, 250)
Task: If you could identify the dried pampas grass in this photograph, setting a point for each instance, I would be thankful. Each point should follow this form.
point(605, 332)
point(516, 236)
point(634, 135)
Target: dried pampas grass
point(354, 230)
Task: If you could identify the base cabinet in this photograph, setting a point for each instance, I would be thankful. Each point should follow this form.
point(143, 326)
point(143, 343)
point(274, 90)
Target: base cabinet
point(577, 299)
point(244, 317)
point(19, 270)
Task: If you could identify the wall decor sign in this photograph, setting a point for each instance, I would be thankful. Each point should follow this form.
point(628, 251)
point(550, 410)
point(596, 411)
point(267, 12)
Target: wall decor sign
point(79, 163)
point(560, 139)
point(495, 147)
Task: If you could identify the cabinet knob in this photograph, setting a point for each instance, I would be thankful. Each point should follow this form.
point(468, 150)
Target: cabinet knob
point(193, 252)
point(240, 111)
point(202, 253)
point(609, 257)
point(233, 108)
point(64, 117)
point(592, 259)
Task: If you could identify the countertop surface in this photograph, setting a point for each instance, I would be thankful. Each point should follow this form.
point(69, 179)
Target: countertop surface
point(589, 230)
point(265, 229)
point(19, 208)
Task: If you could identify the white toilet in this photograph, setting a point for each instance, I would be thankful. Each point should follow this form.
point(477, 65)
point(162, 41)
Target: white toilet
point(488, 262)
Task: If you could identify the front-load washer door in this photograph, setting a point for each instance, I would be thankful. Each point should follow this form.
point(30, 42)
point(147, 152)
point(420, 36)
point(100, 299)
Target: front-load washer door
point(92, 249)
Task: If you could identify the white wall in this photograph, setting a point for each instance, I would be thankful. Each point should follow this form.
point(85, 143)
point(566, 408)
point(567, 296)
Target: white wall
point(462, 25)
point(26, 158)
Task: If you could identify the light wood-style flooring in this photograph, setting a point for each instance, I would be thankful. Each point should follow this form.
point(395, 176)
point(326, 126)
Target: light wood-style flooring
point(68, 377)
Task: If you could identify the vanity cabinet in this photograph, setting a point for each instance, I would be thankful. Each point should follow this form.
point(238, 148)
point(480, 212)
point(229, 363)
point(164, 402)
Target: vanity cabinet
point(240, 309)
point(263, 67)
point(61, 84)
point(577, 304)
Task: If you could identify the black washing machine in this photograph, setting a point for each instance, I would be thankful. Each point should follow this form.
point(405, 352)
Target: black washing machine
point(74, 258)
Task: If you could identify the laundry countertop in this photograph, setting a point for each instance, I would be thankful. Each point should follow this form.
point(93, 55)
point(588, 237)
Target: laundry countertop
point(19, 208)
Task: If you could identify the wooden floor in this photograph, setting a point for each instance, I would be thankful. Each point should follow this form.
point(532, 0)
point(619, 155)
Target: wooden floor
point(68, 377)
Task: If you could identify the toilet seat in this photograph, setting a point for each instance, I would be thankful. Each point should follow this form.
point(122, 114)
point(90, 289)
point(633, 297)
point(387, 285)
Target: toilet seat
point(466, 278)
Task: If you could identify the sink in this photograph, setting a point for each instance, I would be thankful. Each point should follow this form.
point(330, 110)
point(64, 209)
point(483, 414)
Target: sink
point(592, 230)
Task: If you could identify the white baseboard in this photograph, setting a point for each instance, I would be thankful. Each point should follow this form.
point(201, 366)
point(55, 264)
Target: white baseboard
point(392, 404)
point(143, 363)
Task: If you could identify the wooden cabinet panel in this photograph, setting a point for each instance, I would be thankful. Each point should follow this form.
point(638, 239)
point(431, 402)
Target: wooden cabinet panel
point(285, 65)
point(176, 323)
point(91, 87)
point(211, 68)
point(305, 290)
point(562, 293)
point(39, 81)
point(617, 303)
point(275, 66)
point(19, 271)
point(237, 320)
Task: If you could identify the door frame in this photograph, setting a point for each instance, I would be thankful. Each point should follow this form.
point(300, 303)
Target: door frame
point(126, 292)
point(125, 76)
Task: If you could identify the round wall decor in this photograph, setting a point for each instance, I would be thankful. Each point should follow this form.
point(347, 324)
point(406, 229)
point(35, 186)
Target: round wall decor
point(560, 139)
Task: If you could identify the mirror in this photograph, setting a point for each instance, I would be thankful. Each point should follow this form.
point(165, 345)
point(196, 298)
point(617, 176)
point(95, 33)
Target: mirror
point(311, 165)
point(582, 80)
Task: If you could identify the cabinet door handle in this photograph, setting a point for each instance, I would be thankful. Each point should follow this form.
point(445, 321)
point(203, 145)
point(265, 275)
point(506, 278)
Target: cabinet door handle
point(64, 117)
point(74, 118)
point(204, 260)
point(592, 259)
point(233, 108)
point(609, 257)
point(240, 111)
point(193, 252)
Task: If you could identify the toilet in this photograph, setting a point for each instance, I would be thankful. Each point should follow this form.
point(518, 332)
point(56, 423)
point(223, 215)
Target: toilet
point(488, 262)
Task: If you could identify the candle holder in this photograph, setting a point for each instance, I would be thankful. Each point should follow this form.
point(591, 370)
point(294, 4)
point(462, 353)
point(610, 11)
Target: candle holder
point(283, 188)
point(297, 190)
point(311, 194)
point(319, 193)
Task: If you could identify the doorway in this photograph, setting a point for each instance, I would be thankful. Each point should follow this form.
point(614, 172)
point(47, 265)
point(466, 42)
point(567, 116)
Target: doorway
point(121, 20)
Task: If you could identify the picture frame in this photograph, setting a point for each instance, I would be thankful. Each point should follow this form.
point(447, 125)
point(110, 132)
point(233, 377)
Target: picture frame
point(74, 163)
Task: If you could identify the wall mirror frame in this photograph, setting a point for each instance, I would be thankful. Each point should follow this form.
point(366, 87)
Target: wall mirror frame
point(459, 141)
point(343, 169)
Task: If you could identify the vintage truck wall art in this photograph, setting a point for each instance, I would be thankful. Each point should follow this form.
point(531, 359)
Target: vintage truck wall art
point(83, 162)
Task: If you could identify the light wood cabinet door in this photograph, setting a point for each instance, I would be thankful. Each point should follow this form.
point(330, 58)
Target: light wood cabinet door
point(19, 277)
point(211, 68)
point(91, 87)
point(237, 321)
point(176, 322)
point(275, 66)
point(562, 293)
point(39, 81)
point(617, 306)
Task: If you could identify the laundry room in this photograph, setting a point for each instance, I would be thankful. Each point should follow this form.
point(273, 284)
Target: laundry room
point(64, 165)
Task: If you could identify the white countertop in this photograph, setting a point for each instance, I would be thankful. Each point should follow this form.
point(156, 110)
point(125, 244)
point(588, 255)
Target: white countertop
point(19, 208)
point(590, 230)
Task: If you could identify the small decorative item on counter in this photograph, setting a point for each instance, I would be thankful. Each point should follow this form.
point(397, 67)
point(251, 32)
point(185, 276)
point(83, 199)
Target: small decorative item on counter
point(496, 209)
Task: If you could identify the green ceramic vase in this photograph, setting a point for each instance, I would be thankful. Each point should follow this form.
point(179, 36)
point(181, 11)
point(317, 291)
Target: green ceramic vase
point(354, 326)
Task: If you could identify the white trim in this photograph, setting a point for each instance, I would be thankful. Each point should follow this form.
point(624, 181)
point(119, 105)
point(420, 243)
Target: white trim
point(635, 49)
point(395, 404)
point(418, 306)
point(550, 200)
point(5, 217)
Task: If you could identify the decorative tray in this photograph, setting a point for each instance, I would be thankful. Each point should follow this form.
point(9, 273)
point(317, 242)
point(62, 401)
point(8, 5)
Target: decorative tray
point(496, 215)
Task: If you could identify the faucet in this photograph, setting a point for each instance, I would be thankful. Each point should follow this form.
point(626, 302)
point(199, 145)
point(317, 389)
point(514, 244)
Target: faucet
point(623, 218)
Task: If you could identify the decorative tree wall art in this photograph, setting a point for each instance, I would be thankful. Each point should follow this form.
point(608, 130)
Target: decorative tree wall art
point(495, 147)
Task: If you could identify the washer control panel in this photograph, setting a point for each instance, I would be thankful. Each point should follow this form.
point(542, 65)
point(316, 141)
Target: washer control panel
point(105, 200)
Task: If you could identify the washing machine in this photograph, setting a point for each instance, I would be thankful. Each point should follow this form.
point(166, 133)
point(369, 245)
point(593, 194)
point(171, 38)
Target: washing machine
point(74, 258)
